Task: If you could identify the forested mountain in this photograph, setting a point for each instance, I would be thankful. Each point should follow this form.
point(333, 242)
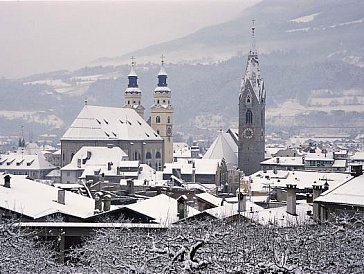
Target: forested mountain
point(311, 57)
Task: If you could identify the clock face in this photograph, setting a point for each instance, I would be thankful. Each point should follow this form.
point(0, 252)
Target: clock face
point(169, 130)
point(248, 133)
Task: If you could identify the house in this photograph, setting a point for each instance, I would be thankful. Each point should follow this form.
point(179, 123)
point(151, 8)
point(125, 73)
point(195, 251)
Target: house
point(33, 165)
point(32, 201)
point(283, 163)
point(107, 162)
point(205, 171)
point(120, 127)
point(346, 198)
point(160, 209)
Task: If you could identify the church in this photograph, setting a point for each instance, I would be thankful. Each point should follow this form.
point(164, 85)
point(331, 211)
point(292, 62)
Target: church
point(251, 142)
point(125, 127)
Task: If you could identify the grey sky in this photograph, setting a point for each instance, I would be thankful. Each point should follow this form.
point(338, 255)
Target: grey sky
point(45, 36)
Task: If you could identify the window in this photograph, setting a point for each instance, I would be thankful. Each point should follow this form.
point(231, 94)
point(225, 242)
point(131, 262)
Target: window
point(168, 120)
point(128, 102)
point(72, 154)
point(249, 117)
point(148, 155)
point(158, 119)
point(158, 155)
point(136, 156)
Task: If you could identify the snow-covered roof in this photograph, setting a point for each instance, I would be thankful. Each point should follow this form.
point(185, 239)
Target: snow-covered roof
point(97, 157)
point(350, 192)
point(181, 150)
point(225, 147)
point(162, 89)
point(162, 71)
point(161, 208)
point(15, 161)
point(133, 90)
point(252, 78)
point(358, 156)
point(319, 156)
point(202, 166)
point(37, 200)
point(339, 164)
point(231, 209)
point(132, 72)
point(284, 161)
point(109, 123)
point(303, 179)
point(211, 199)
point(279, 216)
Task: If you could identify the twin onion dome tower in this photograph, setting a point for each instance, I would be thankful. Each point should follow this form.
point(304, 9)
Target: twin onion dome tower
point(161, 119)
point(251, 143)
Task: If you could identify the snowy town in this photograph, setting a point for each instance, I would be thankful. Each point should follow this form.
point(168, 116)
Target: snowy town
point(122, 190)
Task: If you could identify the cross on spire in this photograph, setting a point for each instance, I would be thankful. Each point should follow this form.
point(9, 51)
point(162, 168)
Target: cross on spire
point(162, 59)
point(253, 47)
point(132, 60)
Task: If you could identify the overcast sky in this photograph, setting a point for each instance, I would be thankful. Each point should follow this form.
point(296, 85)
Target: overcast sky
point(45, 36)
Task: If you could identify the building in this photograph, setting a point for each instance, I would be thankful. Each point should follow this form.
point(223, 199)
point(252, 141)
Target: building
point(283, 163)
point(93, 162)
point(98, 126)
point(204, 171)
point(133, 95)
point(161, 119)
point(35, 166)
point(347, 199)
point(32, 201)
point(251, 115)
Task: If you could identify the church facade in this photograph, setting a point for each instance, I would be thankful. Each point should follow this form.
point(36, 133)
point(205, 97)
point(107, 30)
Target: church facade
point(251, 143)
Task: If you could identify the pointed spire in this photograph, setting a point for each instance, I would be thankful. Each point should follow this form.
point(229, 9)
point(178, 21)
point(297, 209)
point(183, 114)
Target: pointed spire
point(162, 75)
point(132, 76)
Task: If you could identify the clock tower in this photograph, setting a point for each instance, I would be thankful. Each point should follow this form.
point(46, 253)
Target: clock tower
point(161, 118)
point(252, 97)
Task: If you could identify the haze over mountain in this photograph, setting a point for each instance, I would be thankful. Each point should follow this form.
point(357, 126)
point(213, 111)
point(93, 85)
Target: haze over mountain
point(311, 55)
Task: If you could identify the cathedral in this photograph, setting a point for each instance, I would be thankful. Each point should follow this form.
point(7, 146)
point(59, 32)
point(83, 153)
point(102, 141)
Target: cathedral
point(251, 143)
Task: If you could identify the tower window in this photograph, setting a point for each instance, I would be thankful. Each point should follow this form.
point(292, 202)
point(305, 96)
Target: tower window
point(148, 155)
point(128, 102)
point(249, 117)
point(158, 155)
point(133, 102)
point(157, 101)
point(158, 119)
point(168, 120)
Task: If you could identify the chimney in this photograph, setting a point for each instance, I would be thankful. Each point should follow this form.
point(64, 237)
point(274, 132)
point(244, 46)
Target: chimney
point(317, 190)
point(193, 172)
point(356, 170)
point(61, 196)
point(88, 156)
point(241, 202)
point(7, 181)
point(291, 199)
point(130, 187)
point(79, 163)
point(98, 201)
point(182, 207)
point(277, 160)
point(109, 165)
point(107, 202)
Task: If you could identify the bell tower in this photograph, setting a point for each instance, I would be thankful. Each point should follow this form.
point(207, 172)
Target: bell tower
point(133, 95)
point(251, 144)
point(162, 113)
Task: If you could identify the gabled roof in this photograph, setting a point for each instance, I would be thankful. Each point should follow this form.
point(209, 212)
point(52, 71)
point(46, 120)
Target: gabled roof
point(109, 123)
point(162, 209)
point(37, 200)
point(225, 147)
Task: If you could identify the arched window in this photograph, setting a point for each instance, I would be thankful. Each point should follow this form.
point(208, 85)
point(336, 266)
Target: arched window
point(128, 102)
point(148, 155)
point(249, 117)
point(158, 119)
point(168, 120)
point(158, 155)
